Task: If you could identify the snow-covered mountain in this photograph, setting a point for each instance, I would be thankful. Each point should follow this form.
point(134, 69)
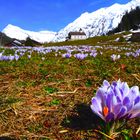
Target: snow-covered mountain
point(98, 22)
point(18, 33)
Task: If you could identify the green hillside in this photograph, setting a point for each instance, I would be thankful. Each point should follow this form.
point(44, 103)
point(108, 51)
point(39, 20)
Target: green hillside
point(97, 40)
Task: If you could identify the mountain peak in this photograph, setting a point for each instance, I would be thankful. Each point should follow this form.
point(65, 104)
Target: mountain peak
point(21, 34)
point(10, 26)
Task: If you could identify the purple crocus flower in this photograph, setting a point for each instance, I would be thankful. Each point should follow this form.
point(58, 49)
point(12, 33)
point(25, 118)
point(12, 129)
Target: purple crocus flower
point(116, 101)
point(128, 54)
point(16, 57)
point(11, 57)
point(66, 55)
point(115, 57)
point(29, 56)
point(93, 54)
point(4, 58)
point(80, 56)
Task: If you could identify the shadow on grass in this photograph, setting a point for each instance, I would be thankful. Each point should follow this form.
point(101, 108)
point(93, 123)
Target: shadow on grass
point(84, 119)
point(6, 138)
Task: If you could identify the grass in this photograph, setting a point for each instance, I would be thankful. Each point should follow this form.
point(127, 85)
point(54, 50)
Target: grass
point(49, 100)
point(97, 40)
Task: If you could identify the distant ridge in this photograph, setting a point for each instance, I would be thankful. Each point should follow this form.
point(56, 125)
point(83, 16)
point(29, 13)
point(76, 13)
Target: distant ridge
point(21, 34)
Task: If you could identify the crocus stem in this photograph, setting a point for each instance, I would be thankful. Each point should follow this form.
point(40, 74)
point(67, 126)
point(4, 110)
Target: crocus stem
point(103, 134)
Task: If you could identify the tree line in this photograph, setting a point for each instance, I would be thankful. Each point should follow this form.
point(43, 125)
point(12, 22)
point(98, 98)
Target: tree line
point(129, 21)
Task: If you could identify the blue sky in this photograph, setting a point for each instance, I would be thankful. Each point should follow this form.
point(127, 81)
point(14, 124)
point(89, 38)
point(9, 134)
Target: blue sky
point(51, 15)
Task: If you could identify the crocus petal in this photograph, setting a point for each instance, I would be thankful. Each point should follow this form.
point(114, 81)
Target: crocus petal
point(97, 104)
point(101, 96)
point(137, 100)
point(127, 103)
point(109, 101)
point(125, 89)
point(135, 115)
point(118, 93)
point(100, 93)
point(137, 106)
point(119, 83)
point(118, 99)
point(117, 109)
point(134, 92)
point(96, 107)
point(106, 83)
point(128, 116)
point(135, 110)
point(122, 112)
point(114, 83)
point(109, 117)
